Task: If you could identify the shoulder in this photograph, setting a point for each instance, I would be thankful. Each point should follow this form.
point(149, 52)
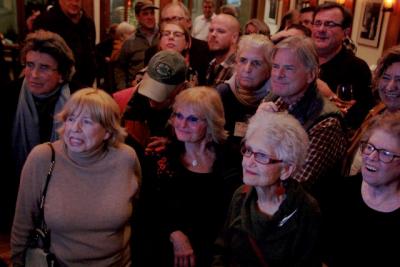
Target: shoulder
point(38, 159)
point(124, 152)
point(223, 89)
point(352, 60)
point(198, 44)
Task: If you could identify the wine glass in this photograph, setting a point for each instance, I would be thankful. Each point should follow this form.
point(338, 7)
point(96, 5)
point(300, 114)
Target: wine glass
point(345, 92)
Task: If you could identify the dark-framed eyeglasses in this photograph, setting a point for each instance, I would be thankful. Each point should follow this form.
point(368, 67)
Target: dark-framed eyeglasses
point(383, 155)
point(327, 24)
point(191, 120)
point(259, 157)
point(174, 33)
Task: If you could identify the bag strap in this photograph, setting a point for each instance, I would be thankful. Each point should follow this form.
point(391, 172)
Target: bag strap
point(43, 197)
point(258, 252)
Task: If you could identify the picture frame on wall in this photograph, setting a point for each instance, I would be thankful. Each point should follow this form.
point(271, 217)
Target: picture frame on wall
point(370, 26)
point(272, 12)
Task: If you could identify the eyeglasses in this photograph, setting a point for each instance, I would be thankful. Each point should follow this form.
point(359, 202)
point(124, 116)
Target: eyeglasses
point(191, 120)
point(383, 155)
point(41, 68)
point(172, 19)
point(328, 24)
point(175, 34)
point(258, 156)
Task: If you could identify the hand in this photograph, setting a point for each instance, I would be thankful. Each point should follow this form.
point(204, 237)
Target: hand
point(344, 106)
point(267, 106)
point(183, 251)
point(156, 144)
point(29, 21)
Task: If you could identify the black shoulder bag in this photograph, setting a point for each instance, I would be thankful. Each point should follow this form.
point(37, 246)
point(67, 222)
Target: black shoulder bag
point(38, 252)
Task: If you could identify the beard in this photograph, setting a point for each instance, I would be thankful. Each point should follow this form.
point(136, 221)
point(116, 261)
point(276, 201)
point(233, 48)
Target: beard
point(220, 51)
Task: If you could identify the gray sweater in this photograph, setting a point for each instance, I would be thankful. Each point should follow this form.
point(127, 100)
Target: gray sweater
point(88, 204)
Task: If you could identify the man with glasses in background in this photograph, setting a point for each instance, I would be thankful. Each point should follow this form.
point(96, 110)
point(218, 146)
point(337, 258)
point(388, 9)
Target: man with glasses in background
point(199, 54)
point(339, 66)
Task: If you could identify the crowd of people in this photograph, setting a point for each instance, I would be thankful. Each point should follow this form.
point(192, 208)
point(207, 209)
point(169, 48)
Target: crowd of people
point(212, 145)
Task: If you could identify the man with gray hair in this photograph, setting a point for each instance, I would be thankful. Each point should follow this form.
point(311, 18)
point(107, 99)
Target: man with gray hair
point(293, 84)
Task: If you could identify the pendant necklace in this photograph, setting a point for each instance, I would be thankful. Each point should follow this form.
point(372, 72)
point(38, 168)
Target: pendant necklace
point(195, 163)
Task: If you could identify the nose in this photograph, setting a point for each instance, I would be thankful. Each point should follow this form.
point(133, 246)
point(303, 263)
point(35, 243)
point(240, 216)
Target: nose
point(35, 72)
point(391, 85)
point(247, 67)
point(374, 155)
point(76, 125)
point(280, 72)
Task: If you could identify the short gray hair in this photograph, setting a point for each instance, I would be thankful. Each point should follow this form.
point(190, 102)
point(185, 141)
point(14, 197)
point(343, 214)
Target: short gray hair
point(251, 41)
point(304, 49)
point(283, 133)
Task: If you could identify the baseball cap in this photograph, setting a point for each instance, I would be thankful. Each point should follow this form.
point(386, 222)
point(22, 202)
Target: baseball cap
point(142, 5)
point(166, 70)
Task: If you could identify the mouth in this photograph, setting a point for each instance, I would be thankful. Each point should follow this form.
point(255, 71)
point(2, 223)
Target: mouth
point(75, 141)
point(35, 84)
point(249, 172)
point(370, 168)
point(393, 95)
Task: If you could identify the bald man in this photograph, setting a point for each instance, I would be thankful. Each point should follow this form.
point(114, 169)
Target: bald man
point(222, 41)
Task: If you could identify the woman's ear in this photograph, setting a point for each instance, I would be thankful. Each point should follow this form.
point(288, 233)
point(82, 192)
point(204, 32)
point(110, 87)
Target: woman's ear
point(107, 136)
point(286, 171)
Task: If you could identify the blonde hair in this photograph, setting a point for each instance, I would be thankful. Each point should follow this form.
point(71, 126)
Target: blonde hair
point(102, 109)
point(207, 102)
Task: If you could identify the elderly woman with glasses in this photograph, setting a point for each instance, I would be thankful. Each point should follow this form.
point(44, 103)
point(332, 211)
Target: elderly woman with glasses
point(272, 221)
point(365, 213)
point(187, 189)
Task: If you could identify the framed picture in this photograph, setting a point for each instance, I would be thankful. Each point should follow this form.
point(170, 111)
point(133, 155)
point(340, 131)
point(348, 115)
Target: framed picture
point(371, 23)
point(272, 12)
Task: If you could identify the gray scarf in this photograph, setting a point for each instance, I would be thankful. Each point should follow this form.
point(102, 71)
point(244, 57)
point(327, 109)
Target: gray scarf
point(25, 132)
point(248, 98)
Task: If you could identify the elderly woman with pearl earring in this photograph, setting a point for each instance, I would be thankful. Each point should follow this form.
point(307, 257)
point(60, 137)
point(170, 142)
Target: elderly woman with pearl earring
point(272, 220)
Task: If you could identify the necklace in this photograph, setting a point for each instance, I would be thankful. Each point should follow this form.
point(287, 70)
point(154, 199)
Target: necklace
point(195, 163)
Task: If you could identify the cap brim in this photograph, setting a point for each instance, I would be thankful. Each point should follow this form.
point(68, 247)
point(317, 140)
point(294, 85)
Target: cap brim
point(155, 90)
point(148, 7)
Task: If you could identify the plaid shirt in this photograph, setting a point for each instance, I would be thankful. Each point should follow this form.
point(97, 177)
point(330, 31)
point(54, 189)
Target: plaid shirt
point(217, 74)
point(327, 146)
